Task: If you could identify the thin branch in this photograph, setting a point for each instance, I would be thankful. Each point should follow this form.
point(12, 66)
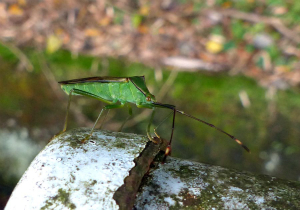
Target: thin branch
point(19, 54)
point(76, 111)
point(274, 22)
point(192, 65)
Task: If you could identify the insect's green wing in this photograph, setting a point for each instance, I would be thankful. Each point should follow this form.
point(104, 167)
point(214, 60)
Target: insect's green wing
point(95, 87)
point(111, 89)
point(95, 79)
point(139, 82)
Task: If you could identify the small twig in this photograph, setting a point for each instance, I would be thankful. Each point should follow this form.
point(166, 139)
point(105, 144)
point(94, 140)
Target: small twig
point(79, 116)
point(122, 7)
point(192, 64)
point(251, 17)
point(49, 76)
point(19, 54)
point(274, 22)
point(167, 85)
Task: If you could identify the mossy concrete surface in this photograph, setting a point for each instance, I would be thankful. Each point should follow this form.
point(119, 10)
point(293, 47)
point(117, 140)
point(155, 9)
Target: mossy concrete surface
point(180, 184)
point(119, 171)
point(67, 174)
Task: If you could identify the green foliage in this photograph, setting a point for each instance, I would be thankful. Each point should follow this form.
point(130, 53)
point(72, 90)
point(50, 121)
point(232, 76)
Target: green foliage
point(217, 30)
point(260, 62)
point(274, 52)
point(198, 5)
point(286, 11)
point(54, 43)
point(275, 2)
point(257, 28)
point(238, 30)
point(136, 20)
point(229, 45)
point(196, 21)
point(118, 16)
point(7, 55)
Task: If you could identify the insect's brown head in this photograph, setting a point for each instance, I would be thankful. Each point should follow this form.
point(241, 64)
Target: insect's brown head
point(150, 98)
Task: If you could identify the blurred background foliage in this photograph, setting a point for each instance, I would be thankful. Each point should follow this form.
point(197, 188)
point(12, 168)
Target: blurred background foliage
point(231, 63)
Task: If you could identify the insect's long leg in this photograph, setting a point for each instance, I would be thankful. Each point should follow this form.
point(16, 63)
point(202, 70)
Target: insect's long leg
point(211, 125)
point(168, 149)
point(68, 107)
point(100, 127)
point(160, 124)
point(90, 134)
point(107, 107)
point(66, 119)
point(130, 115)
point(149, 126)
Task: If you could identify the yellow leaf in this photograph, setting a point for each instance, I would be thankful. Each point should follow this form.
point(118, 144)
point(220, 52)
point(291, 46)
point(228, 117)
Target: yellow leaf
point(59, 31)
point(63, 36)
point(105, 21)
point(53, 44)
point(14, 9)
point(282, 69)
point(214, 47)
point(227, 4)
point(143, 29)
point(215, 43)
point(136, 20)
point(144, 10)
point(91, 32)
point(22, 2)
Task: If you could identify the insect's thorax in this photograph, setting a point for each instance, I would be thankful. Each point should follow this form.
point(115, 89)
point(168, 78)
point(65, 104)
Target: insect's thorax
point(113, 92)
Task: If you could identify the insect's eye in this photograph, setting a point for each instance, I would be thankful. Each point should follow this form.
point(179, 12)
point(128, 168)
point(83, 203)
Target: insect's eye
point(148, 98)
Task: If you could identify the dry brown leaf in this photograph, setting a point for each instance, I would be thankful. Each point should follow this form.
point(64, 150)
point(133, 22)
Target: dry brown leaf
point(91, 32)
point(14, 9)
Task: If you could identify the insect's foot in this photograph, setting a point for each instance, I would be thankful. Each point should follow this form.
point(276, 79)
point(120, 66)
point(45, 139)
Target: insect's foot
point(56, 135)
point(85, 139)
point(167, 153)
point(164, 159)
point(52, 138)
point(156, 140)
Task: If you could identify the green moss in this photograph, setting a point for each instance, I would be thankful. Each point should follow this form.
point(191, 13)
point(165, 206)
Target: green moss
point(48, 205)
point(120, 144)
point(62, 197)
point(90, 183)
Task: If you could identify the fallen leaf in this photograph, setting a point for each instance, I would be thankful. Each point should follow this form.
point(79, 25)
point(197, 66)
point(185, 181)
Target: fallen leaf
point(143, 29)
point(105, 21)
point(91, 32)
point(136, 20)
point(22, 2)
point(14, 9)
point(214, 47)
point(144, 10)
point(53, 44)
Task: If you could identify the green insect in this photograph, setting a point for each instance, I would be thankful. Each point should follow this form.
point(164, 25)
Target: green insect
point(120, 91)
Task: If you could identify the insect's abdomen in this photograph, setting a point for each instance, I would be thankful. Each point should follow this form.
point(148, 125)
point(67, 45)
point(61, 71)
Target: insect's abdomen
point(125, 92)
point(97, 90)
point(128, 93)
point(113, 91)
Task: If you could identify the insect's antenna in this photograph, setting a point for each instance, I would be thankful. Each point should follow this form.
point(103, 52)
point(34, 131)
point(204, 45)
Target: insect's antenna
point(211, 125)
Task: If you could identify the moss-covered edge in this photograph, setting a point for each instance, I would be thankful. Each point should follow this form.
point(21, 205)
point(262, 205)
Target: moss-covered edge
point(277, 193)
